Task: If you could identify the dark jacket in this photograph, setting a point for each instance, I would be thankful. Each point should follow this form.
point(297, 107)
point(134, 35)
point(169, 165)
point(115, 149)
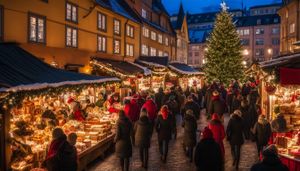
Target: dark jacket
point(64, 160)
point(208, 156)
point(235, 130)
point(270, 164)
point(253, 115)
point(192, 106)
point(124, 135)
point(262, 132)
point(190, 129)
point(236, 103)
point(164, 128)
point(216, 106)
point(159, 98)
point(143, 132)
point(279, 124)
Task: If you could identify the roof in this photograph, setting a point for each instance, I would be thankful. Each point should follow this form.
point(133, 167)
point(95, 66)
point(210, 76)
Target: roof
point(153, 61)
point(290, 61)
point(20, 70)
point(158, 7)
point(199, 35)
point(155, 25)
point(177, 24)
point(183, 69)
point(253, 20)
point(126, 68)
point(267, 5)
point(120, 7)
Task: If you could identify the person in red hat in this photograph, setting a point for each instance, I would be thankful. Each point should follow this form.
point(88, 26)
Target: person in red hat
point(208, 154)
point(217, 105)
point(164, 129)
point(151, 108)
point(218, 131)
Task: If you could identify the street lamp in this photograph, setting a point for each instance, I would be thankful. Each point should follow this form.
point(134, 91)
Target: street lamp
point(246, 52)
point(205, 49)
point(244, 62)
point(269, 51)
point(203, 61)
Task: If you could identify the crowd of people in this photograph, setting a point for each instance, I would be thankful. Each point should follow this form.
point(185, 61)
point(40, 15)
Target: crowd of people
point(145, 113)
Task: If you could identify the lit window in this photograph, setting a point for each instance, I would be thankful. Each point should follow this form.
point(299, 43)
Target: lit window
point(153, 35)
point(145, 50)
point(246, 31)
point(144, 13)
point(37, 28)
point(129, 31)
point(245, 42)
point(101, 22)
point(160, 53)
point(129, 50)
point(179, 43)
point(152, 51)
point(101, 44)
point(166, 54)
point(117, 27)
point(167, 41)
point(259, 52)
point(292, 28)
point(259, 31)
point(71, 12)
point(160, 39)
point(145, 32)
point(71, 36)
point(117, 45)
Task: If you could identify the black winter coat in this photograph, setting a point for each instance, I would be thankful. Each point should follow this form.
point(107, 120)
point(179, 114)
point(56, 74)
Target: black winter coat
point(192, 106)
point(190, 129)
point(262, 132)
point(246, 117)
point(207, 98)
point(229, 99)
point(123, 138)
point(253, 115)
point(270, 164)
point(208, 156)
point(217, 106)
point(143, 132)
point(158, 99)
point(235, 129)
point(279, 124)
point(236, 103)
point(164, 128)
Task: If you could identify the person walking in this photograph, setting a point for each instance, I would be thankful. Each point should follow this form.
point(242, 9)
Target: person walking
point(262, 133)
point(270, 162)
point(143, 132)
point(218, 131)
point(159, 97)
point(61, 154)
point(234, 133)
point(216, 105)
point(173, 107)
point(208, 155)
point(246, 118)
point(151, 108)
point(190, 104)
point(123, 140)
point(164, 131)
point(189, 137)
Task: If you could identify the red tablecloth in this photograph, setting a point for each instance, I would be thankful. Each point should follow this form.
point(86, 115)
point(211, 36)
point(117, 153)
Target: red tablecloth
point(292, 164)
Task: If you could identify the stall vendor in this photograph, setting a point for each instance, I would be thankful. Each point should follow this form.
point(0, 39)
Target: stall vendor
point(113, 101)
point(76, 112)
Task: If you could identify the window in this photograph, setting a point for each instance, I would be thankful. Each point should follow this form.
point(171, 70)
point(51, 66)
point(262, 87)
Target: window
point(260, 31)
point(276, 20)
point(101, 44)
point(240, 32)
point(145, 32)
point(195, 47)
point(292, 28)
point(71, 36)
point(101, 21)
point(129, 31)
point(1, 23)
point(37, 28)
point(245, 42)
point(71, 12)
point(153, 35)
point(166, 54)
point(197, 61)
point(259, 41)
point(160, 53)
point(275, 30)
point(259, 52)
point(129, 50)
point(179, 43)
point(117, 46)
point(144, 13)
point(160, 39)
point(275, 41)
point(152, 51)
point(117, 27)
point(145, 50)
point(246, 32)
point(167, 41)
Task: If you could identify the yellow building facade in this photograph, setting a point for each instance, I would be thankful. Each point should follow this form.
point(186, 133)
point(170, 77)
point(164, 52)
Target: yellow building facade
point(66, 33)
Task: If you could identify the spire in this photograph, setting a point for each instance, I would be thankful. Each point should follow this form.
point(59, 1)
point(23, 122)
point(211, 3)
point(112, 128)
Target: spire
point(181, 10)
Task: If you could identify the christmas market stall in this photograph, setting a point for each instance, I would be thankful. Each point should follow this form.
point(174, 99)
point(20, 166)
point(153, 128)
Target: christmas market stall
point(185, 76)
point(158, 67)
point(132, 74)
point(282, 87)
point(35, 98)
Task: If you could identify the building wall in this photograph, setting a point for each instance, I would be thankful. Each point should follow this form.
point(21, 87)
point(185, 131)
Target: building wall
point(264, 10)
point(16, 30)
point(182, 46)
point(196, 54)
point(288, 15)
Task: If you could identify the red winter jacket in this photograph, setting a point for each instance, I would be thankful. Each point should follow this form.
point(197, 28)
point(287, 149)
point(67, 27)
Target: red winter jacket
point(132, 110)
point(218, 130)
point(151, 108)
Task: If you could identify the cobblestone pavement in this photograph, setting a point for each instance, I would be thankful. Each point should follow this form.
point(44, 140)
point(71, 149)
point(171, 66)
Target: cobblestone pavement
point(176, 158)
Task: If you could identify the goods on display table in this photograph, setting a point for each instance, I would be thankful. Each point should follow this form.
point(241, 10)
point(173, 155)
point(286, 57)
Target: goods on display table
point(32, 122)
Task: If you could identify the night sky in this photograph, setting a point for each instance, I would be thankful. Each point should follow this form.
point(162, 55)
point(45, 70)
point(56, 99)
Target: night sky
point(200, 6)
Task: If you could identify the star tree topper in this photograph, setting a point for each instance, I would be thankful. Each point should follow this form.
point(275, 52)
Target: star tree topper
point(224, 6)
